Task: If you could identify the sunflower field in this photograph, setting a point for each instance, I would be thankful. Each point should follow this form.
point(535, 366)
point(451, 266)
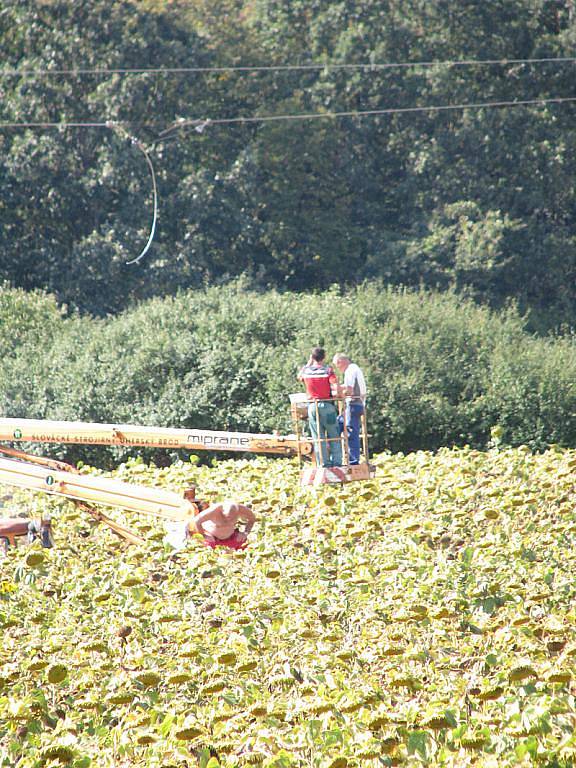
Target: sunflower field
point(424, 618)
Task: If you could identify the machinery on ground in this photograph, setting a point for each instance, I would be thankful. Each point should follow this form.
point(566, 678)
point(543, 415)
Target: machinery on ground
point(58, 478)
point(61, 479)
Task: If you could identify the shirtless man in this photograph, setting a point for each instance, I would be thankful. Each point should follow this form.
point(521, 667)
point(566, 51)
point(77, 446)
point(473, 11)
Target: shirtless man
point(217, 524)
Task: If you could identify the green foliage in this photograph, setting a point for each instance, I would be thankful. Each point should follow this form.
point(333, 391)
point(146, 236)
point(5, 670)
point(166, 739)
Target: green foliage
point(26, 319)
point(440, 369)
point(423, 618)
point(482, 200)
point(76, 204)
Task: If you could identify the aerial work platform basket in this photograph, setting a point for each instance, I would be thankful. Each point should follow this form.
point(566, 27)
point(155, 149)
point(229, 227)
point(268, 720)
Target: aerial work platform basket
point(304, 411)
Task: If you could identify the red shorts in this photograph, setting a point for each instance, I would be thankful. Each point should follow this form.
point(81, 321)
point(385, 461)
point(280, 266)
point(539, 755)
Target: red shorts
point(235, 541)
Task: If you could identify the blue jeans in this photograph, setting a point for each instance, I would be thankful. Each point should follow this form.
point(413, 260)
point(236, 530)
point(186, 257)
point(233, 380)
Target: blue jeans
point(354, 413)
point(325, 433)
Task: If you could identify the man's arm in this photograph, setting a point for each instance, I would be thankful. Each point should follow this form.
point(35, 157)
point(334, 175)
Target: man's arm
point(354, 381)
point(362, 382)
point(334, 385)
point(300, 375)
point(236, 511)
point(211, 513)
point(246, 514)
point(341, 390)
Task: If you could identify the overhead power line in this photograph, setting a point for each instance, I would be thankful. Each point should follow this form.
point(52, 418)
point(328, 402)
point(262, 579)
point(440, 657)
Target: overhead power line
point(201, 123)
point(374, 66)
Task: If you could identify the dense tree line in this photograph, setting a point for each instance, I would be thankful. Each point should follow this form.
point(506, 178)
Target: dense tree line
point(481, 200)
point(440, 370)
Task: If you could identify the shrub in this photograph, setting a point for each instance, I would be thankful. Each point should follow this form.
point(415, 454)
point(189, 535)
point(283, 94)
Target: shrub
point(441, 370)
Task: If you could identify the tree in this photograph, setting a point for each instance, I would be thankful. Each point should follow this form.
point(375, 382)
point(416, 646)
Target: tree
point(482, 199)
point(76, 203)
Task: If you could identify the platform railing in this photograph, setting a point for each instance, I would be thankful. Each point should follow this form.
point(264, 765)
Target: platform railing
point(300, 413)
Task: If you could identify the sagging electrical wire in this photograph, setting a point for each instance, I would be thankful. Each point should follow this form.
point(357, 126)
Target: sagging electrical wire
point(117, 128)
point(367, 66)
point(200, 124)
point(142, 149)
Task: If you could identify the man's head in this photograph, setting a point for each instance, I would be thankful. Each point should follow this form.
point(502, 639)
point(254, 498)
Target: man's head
point(318, 355)
point(341, 361)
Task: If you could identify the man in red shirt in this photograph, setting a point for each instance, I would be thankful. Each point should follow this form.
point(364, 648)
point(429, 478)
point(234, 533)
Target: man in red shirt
point(321, 385)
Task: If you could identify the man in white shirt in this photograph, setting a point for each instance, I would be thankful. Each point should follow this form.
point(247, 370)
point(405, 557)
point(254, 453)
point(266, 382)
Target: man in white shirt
point(354, 389)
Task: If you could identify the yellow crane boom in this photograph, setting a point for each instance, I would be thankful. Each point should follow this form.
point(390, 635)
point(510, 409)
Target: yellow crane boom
point(40, 431)
point(53, 477)
point(96, 490)
point(57, 478)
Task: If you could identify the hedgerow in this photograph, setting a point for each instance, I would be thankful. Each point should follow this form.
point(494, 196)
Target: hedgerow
point(441, 370)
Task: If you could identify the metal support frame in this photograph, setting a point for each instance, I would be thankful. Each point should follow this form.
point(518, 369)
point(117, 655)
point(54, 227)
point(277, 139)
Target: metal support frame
point(316, 474)
point(59, 479)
